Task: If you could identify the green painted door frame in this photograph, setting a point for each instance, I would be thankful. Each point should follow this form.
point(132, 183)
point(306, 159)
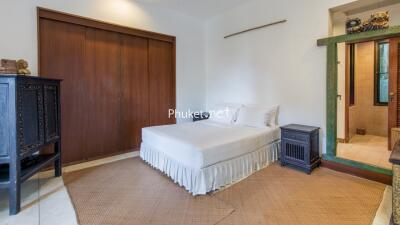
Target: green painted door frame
point(331, 90)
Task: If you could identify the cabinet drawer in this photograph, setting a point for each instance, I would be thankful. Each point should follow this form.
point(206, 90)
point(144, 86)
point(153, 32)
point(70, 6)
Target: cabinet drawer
point(296, 136)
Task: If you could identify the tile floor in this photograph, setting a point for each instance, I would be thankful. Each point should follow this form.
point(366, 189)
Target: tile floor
point(368, 149)
point(45, 199)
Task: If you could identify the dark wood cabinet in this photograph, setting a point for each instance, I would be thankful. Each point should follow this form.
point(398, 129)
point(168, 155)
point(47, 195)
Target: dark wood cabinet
point(29, 121)
point(300, 147)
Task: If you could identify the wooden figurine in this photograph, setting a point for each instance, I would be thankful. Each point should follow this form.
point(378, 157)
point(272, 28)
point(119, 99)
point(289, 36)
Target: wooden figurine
point(22, 67)
point(379, 20)
point(8, 66)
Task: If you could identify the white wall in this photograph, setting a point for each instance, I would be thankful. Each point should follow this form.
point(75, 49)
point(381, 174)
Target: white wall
point(19, 36)
point(339, 28)
point(277, 65)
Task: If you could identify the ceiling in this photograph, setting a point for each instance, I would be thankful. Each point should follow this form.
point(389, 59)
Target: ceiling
point(201, 9)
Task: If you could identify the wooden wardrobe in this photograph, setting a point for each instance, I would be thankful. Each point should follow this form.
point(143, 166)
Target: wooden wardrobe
point(116, 80)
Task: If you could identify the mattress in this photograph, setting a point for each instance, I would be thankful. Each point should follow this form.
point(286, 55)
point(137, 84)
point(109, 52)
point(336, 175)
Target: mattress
point(204, 143)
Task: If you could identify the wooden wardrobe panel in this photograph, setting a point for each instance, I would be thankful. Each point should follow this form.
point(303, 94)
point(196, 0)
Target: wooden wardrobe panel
point(62, 50)
point(114, 83)
point(103, 77)
point(135, 91)
point(162, 82)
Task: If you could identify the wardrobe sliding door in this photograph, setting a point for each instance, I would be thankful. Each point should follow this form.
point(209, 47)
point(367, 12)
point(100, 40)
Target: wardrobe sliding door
point(66, 61)
point(116, 80)
point(162, 82)
point(102, 75)
point(135, 90)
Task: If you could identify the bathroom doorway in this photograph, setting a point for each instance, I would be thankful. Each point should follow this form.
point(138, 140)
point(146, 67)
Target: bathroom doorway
point(370, 101)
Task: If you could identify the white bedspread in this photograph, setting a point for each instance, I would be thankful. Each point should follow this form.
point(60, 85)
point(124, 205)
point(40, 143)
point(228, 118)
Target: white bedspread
point(204, 143)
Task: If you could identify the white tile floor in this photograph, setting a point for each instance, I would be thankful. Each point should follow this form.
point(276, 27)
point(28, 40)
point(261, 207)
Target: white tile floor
point(368, 149)
point(45, 199)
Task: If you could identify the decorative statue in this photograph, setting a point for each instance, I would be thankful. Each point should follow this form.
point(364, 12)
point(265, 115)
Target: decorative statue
point(22, 67)
point(377, 21)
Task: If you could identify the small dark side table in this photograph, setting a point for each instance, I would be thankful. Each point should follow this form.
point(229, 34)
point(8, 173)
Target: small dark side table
point(300, 147)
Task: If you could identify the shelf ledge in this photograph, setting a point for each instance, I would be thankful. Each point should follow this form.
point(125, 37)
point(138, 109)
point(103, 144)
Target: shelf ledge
point(359, 37)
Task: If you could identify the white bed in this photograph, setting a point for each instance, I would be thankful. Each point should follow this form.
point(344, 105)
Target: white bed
point(205, 156)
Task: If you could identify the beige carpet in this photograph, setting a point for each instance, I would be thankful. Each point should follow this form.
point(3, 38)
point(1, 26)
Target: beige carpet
point(130, 192)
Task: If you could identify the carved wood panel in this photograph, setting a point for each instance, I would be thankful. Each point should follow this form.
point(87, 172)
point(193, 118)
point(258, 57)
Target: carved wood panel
point(30, 127)
point(51, 114)
point(4, 120)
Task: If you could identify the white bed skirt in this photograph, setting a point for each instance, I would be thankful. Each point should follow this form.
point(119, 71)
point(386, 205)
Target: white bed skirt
point(214, 177)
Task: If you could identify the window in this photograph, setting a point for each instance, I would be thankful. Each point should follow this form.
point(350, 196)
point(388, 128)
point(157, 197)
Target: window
point(352, 71)
point(382, 74)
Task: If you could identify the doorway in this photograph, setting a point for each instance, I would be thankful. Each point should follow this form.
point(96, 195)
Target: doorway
point(370, 101)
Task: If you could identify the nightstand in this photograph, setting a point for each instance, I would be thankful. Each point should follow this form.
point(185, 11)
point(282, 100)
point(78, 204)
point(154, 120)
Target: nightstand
point(200, 116)
point(300, 147)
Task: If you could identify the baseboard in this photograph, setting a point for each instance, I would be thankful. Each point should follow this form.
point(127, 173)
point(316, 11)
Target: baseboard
point(100, 161)
point(378, 177)
point(100, 157)
point(341, 140)
point(87, 164)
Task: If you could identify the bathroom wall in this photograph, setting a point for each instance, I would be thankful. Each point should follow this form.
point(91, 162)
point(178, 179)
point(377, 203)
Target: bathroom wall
point(364, 114)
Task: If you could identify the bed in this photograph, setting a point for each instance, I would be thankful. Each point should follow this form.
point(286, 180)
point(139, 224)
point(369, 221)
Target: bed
point(205, 156)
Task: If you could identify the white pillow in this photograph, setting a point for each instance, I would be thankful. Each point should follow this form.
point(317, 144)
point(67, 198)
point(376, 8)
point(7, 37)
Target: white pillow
point(224, 114)
point(274, 118)
point(258, 116)
point(234, 107)
point(253, 117)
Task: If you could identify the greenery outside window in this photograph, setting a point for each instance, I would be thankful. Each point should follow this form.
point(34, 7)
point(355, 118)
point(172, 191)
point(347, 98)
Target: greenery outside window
point(381, 90)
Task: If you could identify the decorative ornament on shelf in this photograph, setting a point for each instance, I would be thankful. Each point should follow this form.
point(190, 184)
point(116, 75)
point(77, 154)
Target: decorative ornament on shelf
point(22, 67)
point(8, 66)
point(353, 26)
point(377, 21)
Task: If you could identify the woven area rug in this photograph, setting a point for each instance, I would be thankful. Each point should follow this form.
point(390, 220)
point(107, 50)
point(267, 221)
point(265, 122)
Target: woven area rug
point(130, 192)
point(279, 195)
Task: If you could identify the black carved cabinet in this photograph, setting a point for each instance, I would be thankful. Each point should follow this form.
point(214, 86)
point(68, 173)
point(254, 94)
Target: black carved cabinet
point(29, 121)
point(300, 147)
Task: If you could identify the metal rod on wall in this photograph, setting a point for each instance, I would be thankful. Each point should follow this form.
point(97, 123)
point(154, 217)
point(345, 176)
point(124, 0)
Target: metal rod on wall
point(256, 28)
